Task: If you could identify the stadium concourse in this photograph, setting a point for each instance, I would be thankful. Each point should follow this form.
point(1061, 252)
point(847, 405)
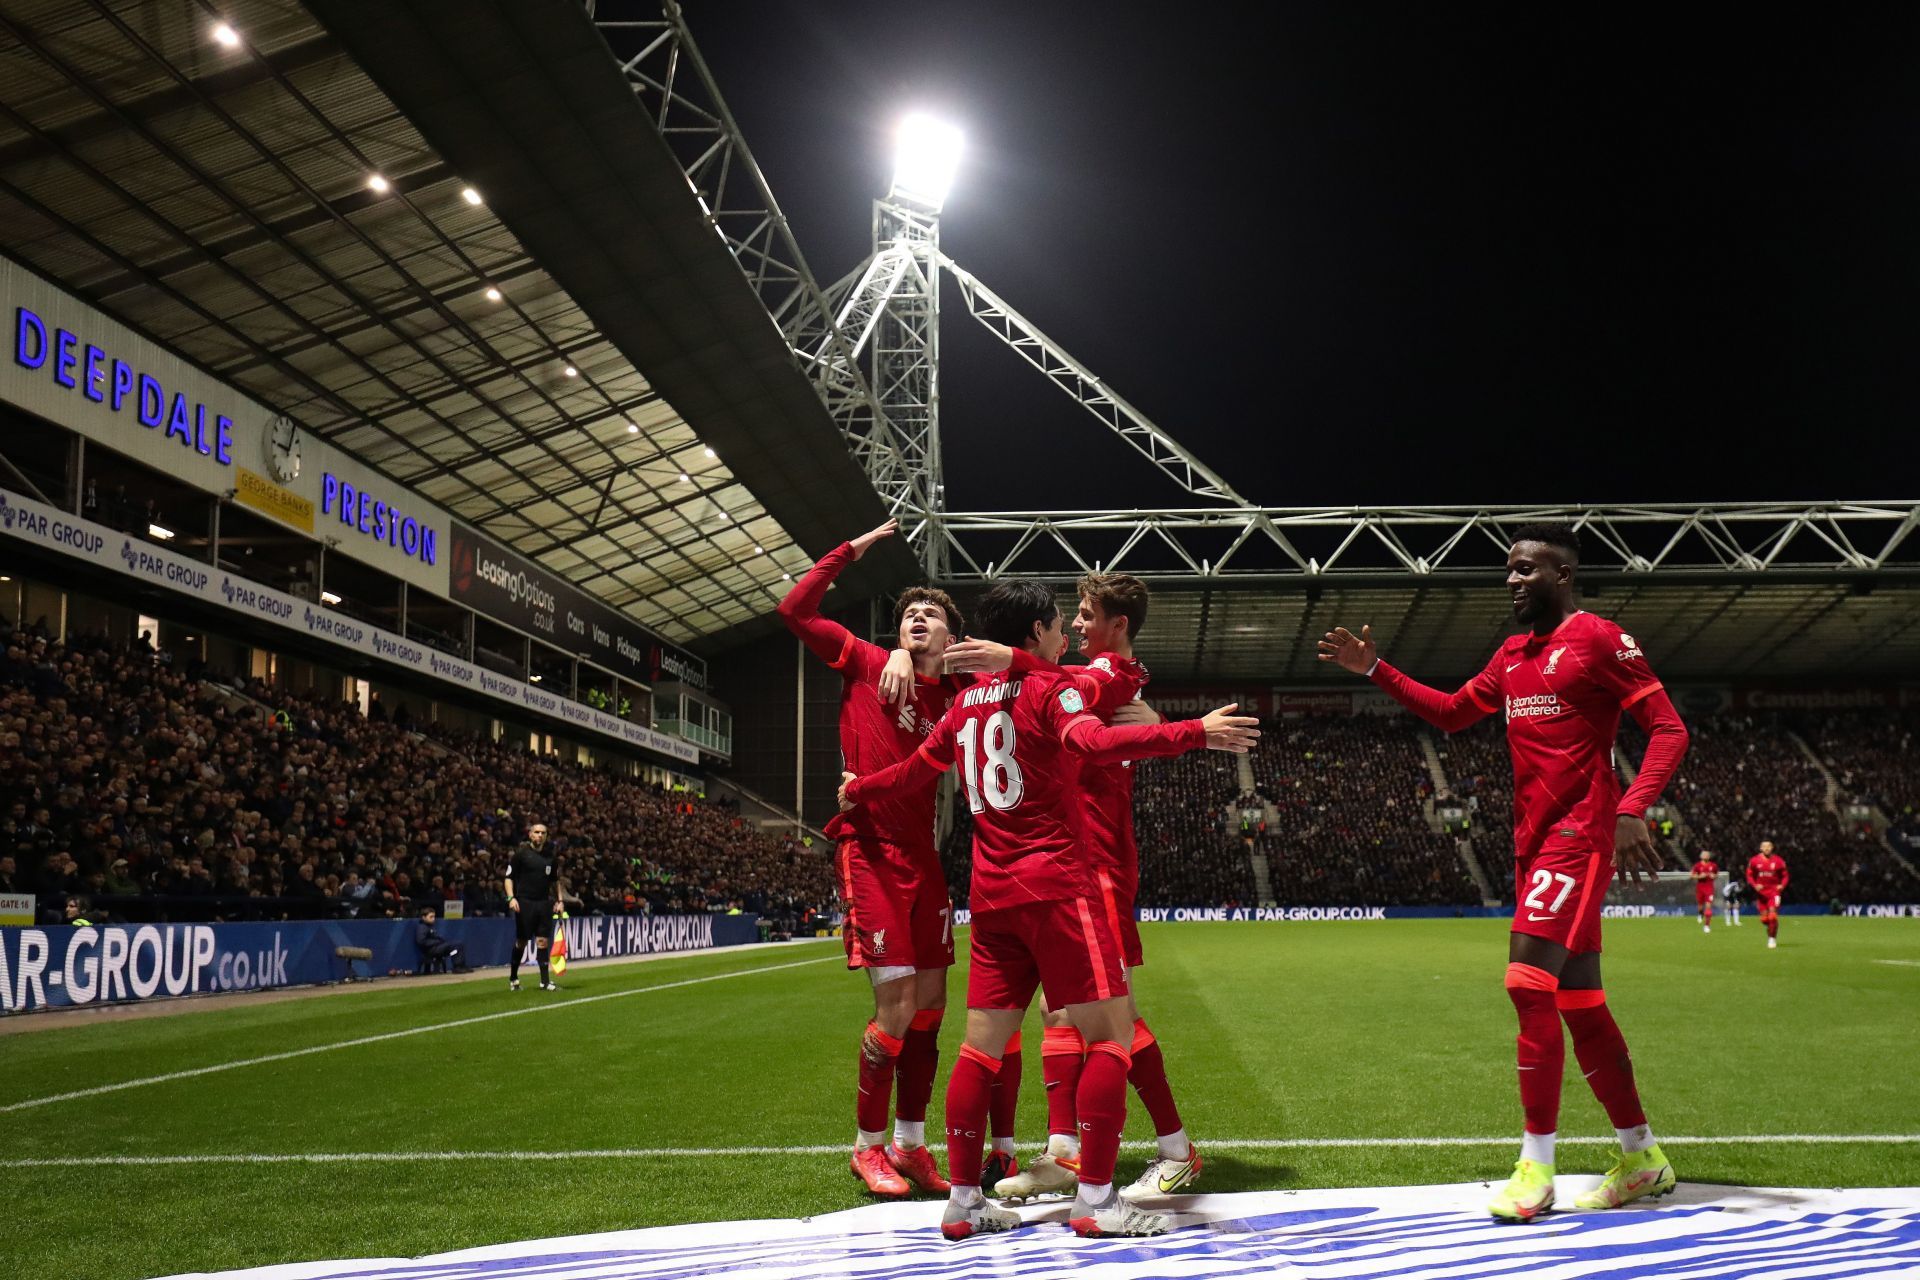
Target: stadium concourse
point(414, 419)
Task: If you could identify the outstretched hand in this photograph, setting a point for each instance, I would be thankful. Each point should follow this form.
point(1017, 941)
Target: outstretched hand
point(1229, 732)
point(867, 539)
point(1356, 653)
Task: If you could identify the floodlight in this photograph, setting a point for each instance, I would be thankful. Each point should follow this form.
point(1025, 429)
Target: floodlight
point(161, 532)
point(226, 35)
point(925, 154)
point(328, 597)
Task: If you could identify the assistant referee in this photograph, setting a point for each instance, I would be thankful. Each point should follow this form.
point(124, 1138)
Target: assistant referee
point(529, 885)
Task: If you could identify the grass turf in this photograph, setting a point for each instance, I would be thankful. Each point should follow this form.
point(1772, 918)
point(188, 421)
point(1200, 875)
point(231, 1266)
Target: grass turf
point(1271, 1031)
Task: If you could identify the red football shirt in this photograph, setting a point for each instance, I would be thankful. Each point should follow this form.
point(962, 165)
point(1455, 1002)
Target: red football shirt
point(1108, 683)
point(1704, 871)
point(1562, 694)
point(872, 734)
point(1767, 875)
point(1020, 778)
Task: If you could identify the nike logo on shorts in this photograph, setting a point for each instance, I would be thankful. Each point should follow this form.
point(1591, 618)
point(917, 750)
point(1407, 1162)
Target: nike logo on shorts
point(1535, 916)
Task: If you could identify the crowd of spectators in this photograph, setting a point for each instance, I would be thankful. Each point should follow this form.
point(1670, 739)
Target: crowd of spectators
point(1349, 801)
point(152, 790)
point(1480, 772)
point(161, 794)
point(1871, 756)
point(1187, 822)
point(1746, 780)
point(1337, 810)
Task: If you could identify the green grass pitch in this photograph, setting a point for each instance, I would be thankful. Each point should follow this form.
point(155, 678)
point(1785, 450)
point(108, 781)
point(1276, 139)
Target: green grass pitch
point(1290, 1031)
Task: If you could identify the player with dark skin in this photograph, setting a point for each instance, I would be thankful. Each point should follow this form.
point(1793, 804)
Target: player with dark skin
point(1541, 583)
point(1572, 827)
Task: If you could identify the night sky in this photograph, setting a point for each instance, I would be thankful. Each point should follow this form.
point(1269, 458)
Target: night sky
point(1376, 255)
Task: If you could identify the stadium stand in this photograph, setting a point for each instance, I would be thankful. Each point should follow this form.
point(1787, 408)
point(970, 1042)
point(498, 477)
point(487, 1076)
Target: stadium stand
point(1870, 754)
point(1186, 821)
point(164, 793)
point(1745, 780)
point(1481, 773)
point(1349, 794)
point(157, 792)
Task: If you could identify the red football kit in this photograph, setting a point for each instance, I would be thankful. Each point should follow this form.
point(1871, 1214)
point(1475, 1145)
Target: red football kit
point(1767, 874)
point(1562, 695)
point(898, 913)
point(1021, 740)
point(1108, 683)
point(1704, 872)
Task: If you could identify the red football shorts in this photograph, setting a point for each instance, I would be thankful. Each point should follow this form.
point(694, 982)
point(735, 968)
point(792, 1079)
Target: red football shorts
point(1767, 904)
point(1116, 898)
point(1703, 892)
point(1557, 894)
point(1065, 948)
point(898, 914)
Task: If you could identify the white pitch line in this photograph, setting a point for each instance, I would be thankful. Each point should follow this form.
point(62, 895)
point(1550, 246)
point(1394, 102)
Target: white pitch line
point(1911, 963)
point(832, 1148)
point(396, 1035)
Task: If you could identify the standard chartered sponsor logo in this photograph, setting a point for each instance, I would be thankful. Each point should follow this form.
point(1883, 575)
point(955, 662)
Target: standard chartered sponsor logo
point(1533, 704)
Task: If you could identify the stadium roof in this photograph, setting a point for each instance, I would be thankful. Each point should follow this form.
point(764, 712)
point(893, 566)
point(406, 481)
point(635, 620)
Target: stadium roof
point(625, 412)
point(218, 199)
point(1829, 631)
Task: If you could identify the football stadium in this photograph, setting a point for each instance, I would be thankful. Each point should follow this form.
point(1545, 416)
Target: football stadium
point(546, 731)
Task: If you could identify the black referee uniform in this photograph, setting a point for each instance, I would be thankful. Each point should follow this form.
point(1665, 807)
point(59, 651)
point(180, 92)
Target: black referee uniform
point(532, 872)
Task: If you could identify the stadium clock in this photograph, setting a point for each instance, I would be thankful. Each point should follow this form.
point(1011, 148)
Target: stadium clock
point(283, 449)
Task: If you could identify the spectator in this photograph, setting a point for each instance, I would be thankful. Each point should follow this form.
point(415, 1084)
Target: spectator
point(433, 947)
point(255, 812)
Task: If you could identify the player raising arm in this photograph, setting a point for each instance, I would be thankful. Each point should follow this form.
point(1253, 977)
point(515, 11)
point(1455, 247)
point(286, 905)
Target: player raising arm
point(899, 925)
point(1562, 684)
point(1020, 741)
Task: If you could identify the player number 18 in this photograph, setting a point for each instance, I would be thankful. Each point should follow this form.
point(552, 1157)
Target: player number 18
point(999, 781)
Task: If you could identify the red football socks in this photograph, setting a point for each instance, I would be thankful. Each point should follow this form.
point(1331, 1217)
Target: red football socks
point(969, 1094)
point(1006, 1089)
point(878, 1054)
point(919, 1059)
point(1101, 1103)
point(1542, 1049)
point(1602, 1053)
point(1148, 1075)
point(1062, 1055)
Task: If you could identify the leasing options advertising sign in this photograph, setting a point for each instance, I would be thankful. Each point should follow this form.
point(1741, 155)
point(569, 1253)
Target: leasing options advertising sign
point(510, 588)
point(74, 365)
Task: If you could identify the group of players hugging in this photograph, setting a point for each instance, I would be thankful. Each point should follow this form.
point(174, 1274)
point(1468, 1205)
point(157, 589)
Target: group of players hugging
point(1045, 754)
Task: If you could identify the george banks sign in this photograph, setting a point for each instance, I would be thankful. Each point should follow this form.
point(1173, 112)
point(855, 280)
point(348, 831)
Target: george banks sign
point(509, 588)
point(73, 365)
